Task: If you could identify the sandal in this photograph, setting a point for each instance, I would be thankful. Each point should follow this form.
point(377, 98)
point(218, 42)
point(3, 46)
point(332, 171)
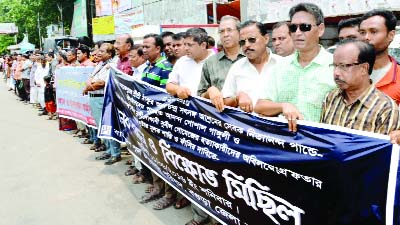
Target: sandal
point(132, 171)
point(149, 197)
point(138, 178)
point(102, 148)
point(76, 134)
point(87, 141)
point(94, 146)
point(149, 189)
point(182, 203)
point(163, 203)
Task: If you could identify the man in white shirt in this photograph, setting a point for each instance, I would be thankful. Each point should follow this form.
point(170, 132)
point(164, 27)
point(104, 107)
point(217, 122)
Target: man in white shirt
point(183, 82)
point(41, 71)
point(245, 78)
point(185, 76)
point(137, 60)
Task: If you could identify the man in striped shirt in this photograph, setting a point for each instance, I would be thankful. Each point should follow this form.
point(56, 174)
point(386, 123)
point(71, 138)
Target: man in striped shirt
point(356, 103)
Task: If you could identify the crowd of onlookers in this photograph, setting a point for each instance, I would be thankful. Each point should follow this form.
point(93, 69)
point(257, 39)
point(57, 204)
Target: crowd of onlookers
point(358, 86)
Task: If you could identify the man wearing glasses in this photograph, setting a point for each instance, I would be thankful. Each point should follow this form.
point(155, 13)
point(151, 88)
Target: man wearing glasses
point(245, 78)
point(216, 68)
point(357, 103)
point(298, 86)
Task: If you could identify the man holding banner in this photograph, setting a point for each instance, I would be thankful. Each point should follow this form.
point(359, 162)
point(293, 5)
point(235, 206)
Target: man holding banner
point(95, 89)
point(357, 103)
point(183, 85)
point(305, 73)
point(243, 84)
point(156, 73)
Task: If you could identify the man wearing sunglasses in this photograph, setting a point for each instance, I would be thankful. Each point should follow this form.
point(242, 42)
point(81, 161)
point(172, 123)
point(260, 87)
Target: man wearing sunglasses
point(299, 85)
point(357, 103)
point(244, 82)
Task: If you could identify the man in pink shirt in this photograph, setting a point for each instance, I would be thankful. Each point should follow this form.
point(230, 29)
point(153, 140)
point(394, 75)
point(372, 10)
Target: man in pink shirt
point(123, 44)
point(83, 53)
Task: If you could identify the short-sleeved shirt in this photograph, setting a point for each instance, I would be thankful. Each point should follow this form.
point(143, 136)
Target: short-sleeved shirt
point(244, 77)
point(101, 72)
point(87, 62)
point(137, 72)
point(26, 69)
point(124, 65)
point(304, 87)
point(373, 111)
point(187, 73)
point(157, 73)
point(390, 83)
point(214, 71)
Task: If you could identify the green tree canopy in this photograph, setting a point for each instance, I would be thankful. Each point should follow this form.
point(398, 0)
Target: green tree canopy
point(24, 13)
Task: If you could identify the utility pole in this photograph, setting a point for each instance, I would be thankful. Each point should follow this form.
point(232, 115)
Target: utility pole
point(40, 36)
point(60, 9)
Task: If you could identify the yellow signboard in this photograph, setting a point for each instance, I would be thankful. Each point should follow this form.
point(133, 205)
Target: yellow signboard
point(103, 25)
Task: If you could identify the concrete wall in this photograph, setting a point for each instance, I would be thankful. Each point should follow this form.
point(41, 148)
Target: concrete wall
point(173, 11)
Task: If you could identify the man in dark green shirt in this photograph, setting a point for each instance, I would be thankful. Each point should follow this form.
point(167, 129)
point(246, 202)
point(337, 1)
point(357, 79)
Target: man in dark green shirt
point(216, 67)
point(213, 77)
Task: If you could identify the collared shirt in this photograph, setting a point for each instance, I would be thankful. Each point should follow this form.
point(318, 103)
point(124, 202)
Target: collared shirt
point(40, 73)
point(87, 62)
point(373, 111)
point(157, 73)
point(304, 87)
point(101, 72)
point(214, 71)
point(26, 69)
point(244, 77)
point(124, 65)
point(137, 72)
point(390, 83)
point(187, 73)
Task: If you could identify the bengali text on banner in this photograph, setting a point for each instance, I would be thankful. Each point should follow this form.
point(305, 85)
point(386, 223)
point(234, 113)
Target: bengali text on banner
point(244, 169)
point(71, 103)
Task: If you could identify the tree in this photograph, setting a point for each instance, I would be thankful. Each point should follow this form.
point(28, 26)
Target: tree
point(24, 13)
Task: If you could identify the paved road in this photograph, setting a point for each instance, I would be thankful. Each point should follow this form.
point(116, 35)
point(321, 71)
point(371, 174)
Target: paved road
point(49, 178)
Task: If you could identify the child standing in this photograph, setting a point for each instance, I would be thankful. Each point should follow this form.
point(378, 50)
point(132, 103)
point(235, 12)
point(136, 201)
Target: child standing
point(49, 98)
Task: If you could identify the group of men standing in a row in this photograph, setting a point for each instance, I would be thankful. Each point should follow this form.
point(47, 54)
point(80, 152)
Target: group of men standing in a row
point(298, 81)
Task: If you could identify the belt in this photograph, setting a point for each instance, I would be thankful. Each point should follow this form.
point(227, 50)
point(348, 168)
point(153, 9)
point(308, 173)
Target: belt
point(96, 95)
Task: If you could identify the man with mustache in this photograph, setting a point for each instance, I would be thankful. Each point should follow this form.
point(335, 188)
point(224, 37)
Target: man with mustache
point(357, 103)
point(244, 82)
point(298, 86)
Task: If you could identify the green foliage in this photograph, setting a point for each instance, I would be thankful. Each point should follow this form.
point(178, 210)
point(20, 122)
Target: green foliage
point(24, 13)
point(5, 41)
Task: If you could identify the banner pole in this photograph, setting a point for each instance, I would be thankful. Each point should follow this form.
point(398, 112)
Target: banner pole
point(391, 192)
